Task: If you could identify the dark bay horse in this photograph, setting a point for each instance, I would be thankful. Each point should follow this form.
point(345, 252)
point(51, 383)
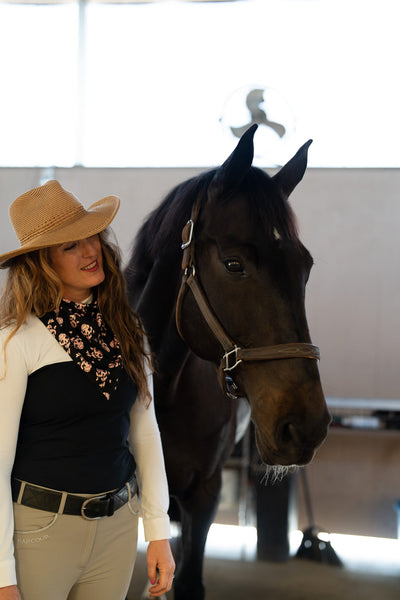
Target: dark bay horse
point(227, 326)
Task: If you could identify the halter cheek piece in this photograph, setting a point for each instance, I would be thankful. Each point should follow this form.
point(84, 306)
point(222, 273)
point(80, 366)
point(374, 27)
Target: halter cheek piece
point(233, 354)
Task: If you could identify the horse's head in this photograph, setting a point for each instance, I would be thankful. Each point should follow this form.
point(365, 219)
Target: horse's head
point(244, 286)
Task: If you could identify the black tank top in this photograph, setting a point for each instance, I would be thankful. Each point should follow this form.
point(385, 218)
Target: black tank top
point(71, 438)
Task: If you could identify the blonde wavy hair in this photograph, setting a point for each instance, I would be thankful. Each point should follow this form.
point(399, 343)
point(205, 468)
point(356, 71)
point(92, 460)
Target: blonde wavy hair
point(33, 286)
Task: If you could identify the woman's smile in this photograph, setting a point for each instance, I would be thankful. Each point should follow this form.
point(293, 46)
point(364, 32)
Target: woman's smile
point(92, 267)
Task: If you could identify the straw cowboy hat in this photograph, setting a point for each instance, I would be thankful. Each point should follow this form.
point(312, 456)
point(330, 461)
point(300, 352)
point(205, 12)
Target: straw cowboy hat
point(50, 215)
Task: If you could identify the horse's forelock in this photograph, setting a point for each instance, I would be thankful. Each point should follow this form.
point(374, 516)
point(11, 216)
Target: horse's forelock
point(268, 206)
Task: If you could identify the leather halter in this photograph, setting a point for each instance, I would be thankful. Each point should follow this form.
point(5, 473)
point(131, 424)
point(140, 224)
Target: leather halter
point(233, 354)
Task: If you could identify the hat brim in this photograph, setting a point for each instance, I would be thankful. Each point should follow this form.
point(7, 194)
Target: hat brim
point(95, 219)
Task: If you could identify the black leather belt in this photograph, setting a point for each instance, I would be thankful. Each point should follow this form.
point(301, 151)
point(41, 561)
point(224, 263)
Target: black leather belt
point(95, 507)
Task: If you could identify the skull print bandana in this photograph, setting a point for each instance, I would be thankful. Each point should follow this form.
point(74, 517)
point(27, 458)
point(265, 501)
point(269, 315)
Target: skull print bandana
point(81, 330)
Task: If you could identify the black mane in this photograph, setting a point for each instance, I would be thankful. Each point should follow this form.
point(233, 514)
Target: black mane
point(161, 232)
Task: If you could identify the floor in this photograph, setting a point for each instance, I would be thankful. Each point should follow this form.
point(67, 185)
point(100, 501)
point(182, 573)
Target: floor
point(231, 572)
point(370, 566)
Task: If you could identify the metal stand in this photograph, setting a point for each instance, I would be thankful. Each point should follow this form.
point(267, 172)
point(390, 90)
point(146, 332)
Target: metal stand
point(315, 544)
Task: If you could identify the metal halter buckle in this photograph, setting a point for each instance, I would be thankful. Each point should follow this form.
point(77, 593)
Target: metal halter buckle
point(227, 357)
point(189, 241)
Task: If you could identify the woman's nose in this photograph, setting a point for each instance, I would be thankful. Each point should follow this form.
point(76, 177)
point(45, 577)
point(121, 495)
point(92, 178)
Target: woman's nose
point(88, 247)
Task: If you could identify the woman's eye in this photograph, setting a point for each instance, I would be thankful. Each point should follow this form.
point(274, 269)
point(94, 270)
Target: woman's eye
point(70, 246)
point(233, 265)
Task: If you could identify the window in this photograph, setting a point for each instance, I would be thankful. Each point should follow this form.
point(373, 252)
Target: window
point(163, 84)
point(38, 71)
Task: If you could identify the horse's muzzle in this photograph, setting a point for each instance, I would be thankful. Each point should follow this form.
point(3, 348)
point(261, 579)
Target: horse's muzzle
point(294, 443)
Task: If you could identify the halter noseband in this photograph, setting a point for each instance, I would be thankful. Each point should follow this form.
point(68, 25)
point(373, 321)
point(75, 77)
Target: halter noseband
point(233, 354)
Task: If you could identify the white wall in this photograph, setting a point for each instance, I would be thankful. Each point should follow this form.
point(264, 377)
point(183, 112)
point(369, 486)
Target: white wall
point(349, 220)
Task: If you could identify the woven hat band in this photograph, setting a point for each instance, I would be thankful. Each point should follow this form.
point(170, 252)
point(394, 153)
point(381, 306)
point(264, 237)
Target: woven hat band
point(51, 224)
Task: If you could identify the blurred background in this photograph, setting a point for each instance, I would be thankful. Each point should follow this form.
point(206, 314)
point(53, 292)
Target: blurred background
point(130, 98)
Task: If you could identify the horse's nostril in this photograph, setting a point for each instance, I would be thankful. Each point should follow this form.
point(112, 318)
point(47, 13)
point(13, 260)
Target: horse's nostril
point(287, 433)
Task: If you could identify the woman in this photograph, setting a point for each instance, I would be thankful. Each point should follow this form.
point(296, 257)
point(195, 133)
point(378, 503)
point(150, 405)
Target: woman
point(76, 445)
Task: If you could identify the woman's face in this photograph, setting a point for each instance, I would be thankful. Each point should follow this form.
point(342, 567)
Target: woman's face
point(79, 265)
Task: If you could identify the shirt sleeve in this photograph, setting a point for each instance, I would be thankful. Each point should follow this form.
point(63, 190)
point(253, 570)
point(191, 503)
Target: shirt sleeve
point(145, 443)
point(14, 374)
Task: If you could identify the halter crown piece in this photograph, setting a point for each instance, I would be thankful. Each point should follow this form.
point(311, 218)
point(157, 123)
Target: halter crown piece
point(233, 354)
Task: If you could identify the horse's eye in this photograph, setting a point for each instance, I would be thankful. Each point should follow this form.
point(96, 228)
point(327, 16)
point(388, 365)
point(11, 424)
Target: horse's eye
point(233, 265)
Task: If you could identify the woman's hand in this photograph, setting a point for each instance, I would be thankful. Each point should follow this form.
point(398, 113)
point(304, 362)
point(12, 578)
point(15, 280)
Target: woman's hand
point(10, 592)
point(159, 558)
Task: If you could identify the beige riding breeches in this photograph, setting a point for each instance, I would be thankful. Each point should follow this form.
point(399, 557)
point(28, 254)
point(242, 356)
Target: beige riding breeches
point(66, 557)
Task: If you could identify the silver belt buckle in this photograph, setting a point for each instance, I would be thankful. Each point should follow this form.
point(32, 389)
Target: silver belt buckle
point(86, 502)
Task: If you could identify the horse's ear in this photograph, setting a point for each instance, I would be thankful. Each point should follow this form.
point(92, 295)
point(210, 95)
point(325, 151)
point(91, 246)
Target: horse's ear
point(292, 173)
point(232, 172)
